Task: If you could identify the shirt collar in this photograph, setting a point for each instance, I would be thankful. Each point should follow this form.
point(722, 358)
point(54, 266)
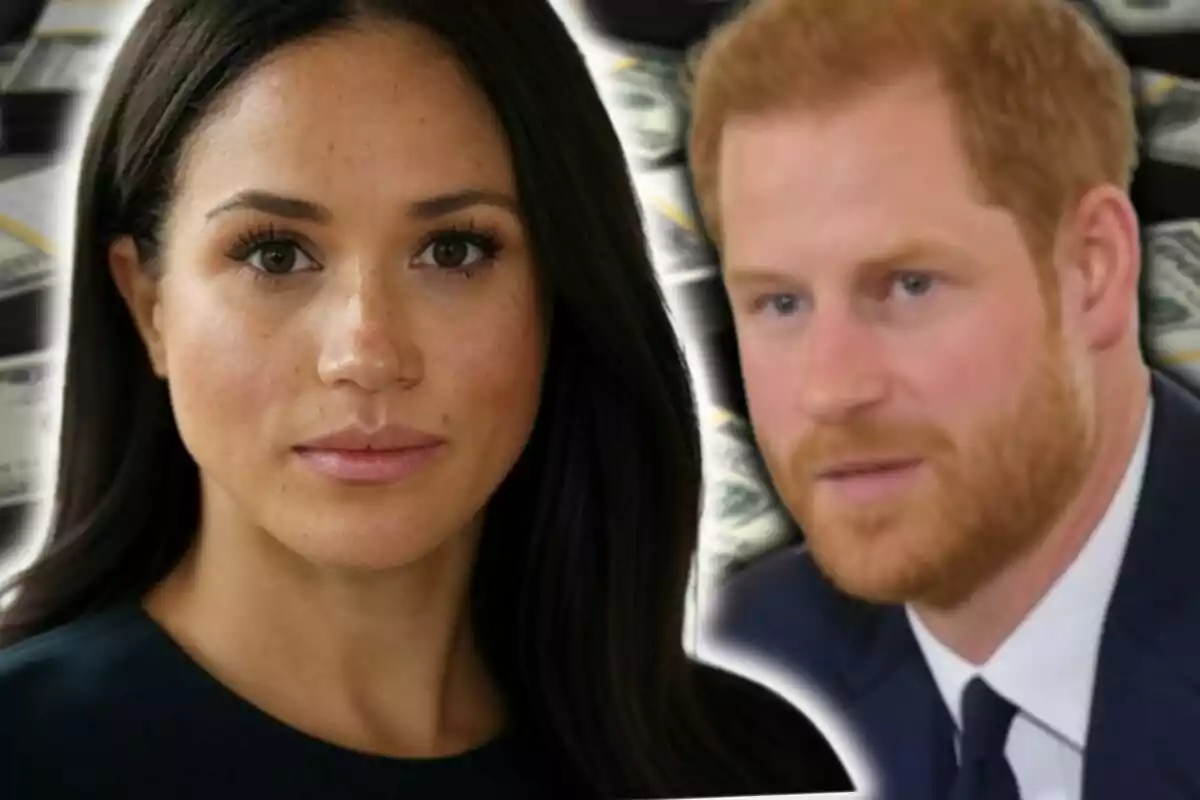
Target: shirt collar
point(1047, 666)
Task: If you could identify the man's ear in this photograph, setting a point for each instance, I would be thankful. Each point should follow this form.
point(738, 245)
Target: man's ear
point(1107, 263)
point(139, 286)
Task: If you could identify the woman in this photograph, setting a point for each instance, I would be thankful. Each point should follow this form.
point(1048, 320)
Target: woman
point(379, 467)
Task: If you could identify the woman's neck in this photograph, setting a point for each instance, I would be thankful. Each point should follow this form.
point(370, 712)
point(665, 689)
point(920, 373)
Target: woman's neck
point(382, 662)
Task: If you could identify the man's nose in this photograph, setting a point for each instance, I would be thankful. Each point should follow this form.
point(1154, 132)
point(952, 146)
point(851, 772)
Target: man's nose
point(842, 366)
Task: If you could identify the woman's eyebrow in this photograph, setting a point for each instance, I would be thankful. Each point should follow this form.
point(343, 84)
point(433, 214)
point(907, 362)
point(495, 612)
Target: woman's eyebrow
point(443, 204)
point(426, 208)
point(275, 204)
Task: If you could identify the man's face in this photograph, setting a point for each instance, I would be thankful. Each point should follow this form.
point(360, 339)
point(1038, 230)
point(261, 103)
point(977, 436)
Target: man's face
point(913, 395)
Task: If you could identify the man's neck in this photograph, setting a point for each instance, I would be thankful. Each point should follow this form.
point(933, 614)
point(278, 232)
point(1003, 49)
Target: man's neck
point(977, 628)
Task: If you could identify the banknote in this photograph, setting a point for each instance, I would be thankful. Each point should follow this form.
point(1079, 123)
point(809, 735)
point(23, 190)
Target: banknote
point(28, 223)
point(100, 17)
point(25, 423)
point(24, 267)
point(71, 46)
point(8, 57)
point(678, 247)
point(64, 63)
point(1151, 16)
point(644, 94)
point(742, 517)
point(1172, 109)
point(1173, 282)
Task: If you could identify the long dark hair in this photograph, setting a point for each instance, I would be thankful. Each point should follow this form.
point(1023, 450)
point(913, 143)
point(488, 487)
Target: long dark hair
point(580, 583)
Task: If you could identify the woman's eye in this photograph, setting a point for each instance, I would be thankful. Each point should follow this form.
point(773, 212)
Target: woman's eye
point(279, 258)
point(458, 251)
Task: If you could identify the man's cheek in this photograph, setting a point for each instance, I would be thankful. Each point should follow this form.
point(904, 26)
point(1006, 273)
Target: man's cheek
point(772, 397)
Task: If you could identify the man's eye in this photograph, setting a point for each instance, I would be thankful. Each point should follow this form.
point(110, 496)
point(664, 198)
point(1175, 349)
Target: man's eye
point(782, 304)
point(913, 284)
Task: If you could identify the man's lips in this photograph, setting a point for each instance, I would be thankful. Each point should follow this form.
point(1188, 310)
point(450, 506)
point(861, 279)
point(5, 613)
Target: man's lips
point(853, 468)
point(864, 481)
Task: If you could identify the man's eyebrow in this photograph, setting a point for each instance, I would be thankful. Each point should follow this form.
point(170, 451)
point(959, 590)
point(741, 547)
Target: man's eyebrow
point(907, 252)
point(911, 251)
point(737, 274)
point(425, 208)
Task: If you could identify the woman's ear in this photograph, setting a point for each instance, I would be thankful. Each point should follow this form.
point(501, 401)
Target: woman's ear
point(139, 286)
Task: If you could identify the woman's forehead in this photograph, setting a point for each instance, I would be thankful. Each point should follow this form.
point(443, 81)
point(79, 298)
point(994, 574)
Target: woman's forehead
point(387, 110)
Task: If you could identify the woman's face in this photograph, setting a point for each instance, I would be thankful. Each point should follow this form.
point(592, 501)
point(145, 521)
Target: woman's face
point(347, 315)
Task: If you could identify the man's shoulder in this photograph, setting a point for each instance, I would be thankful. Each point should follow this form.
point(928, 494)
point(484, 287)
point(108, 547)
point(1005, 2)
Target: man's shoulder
point(789, 573)
point(1177, 408)
point(1165, 542)
point(1157, 598)
point(784, 609)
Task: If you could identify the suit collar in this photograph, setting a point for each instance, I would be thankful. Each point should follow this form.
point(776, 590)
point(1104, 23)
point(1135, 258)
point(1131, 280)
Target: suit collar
point(1158, 573)
point(1146, 707)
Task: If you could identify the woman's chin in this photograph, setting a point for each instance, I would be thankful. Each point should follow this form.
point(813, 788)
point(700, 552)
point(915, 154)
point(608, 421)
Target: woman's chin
point(367, 545)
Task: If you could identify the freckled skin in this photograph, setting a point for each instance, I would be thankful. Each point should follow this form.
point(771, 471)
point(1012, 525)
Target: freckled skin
point(256, 367)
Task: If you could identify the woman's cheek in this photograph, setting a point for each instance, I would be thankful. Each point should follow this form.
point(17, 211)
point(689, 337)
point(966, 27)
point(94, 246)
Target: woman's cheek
point(228, 375)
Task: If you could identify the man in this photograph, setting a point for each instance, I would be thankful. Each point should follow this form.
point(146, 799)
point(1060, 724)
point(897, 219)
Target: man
point(928, 245)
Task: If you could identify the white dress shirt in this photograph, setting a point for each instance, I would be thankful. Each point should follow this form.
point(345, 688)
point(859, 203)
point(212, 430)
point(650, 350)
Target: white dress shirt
point(1047, 666)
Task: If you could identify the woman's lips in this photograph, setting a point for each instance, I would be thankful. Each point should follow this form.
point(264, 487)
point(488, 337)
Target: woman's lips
point(368, 466)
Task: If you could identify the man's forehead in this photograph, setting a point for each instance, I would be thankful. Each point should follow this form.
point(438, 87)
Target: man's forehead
point(813, 190)
point(912, 92)
point(857, 259)
point(891, 123)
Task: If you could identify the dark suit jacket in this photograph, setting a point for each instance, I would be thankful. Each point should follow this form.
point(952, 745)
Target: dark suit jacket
point(1144, 736)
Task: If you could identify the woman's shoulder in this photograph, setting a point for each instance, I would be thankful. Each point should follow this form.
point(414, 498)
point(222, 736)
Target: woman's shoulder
point(770, 735)
point(91, 663)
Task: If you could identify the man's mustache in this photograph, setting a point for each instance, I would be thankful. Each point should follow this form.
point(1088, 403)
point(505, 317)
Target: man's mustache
point(833, 447)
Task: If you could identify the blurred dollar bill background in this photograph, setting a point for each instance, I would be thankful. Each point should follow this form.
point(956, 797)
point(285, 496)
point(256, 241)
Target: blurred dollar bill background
point(1171, 108)
point(1151, 16)
point(1171, 132)
point(1173, 312)
point(68, 46)
point(51, 53)
point(644, 88)
point(24, 423)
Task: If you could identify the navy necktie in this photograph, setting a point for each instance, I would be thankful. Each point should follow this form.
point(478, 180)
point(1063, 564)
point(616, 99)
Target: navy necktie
point(983, 771)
